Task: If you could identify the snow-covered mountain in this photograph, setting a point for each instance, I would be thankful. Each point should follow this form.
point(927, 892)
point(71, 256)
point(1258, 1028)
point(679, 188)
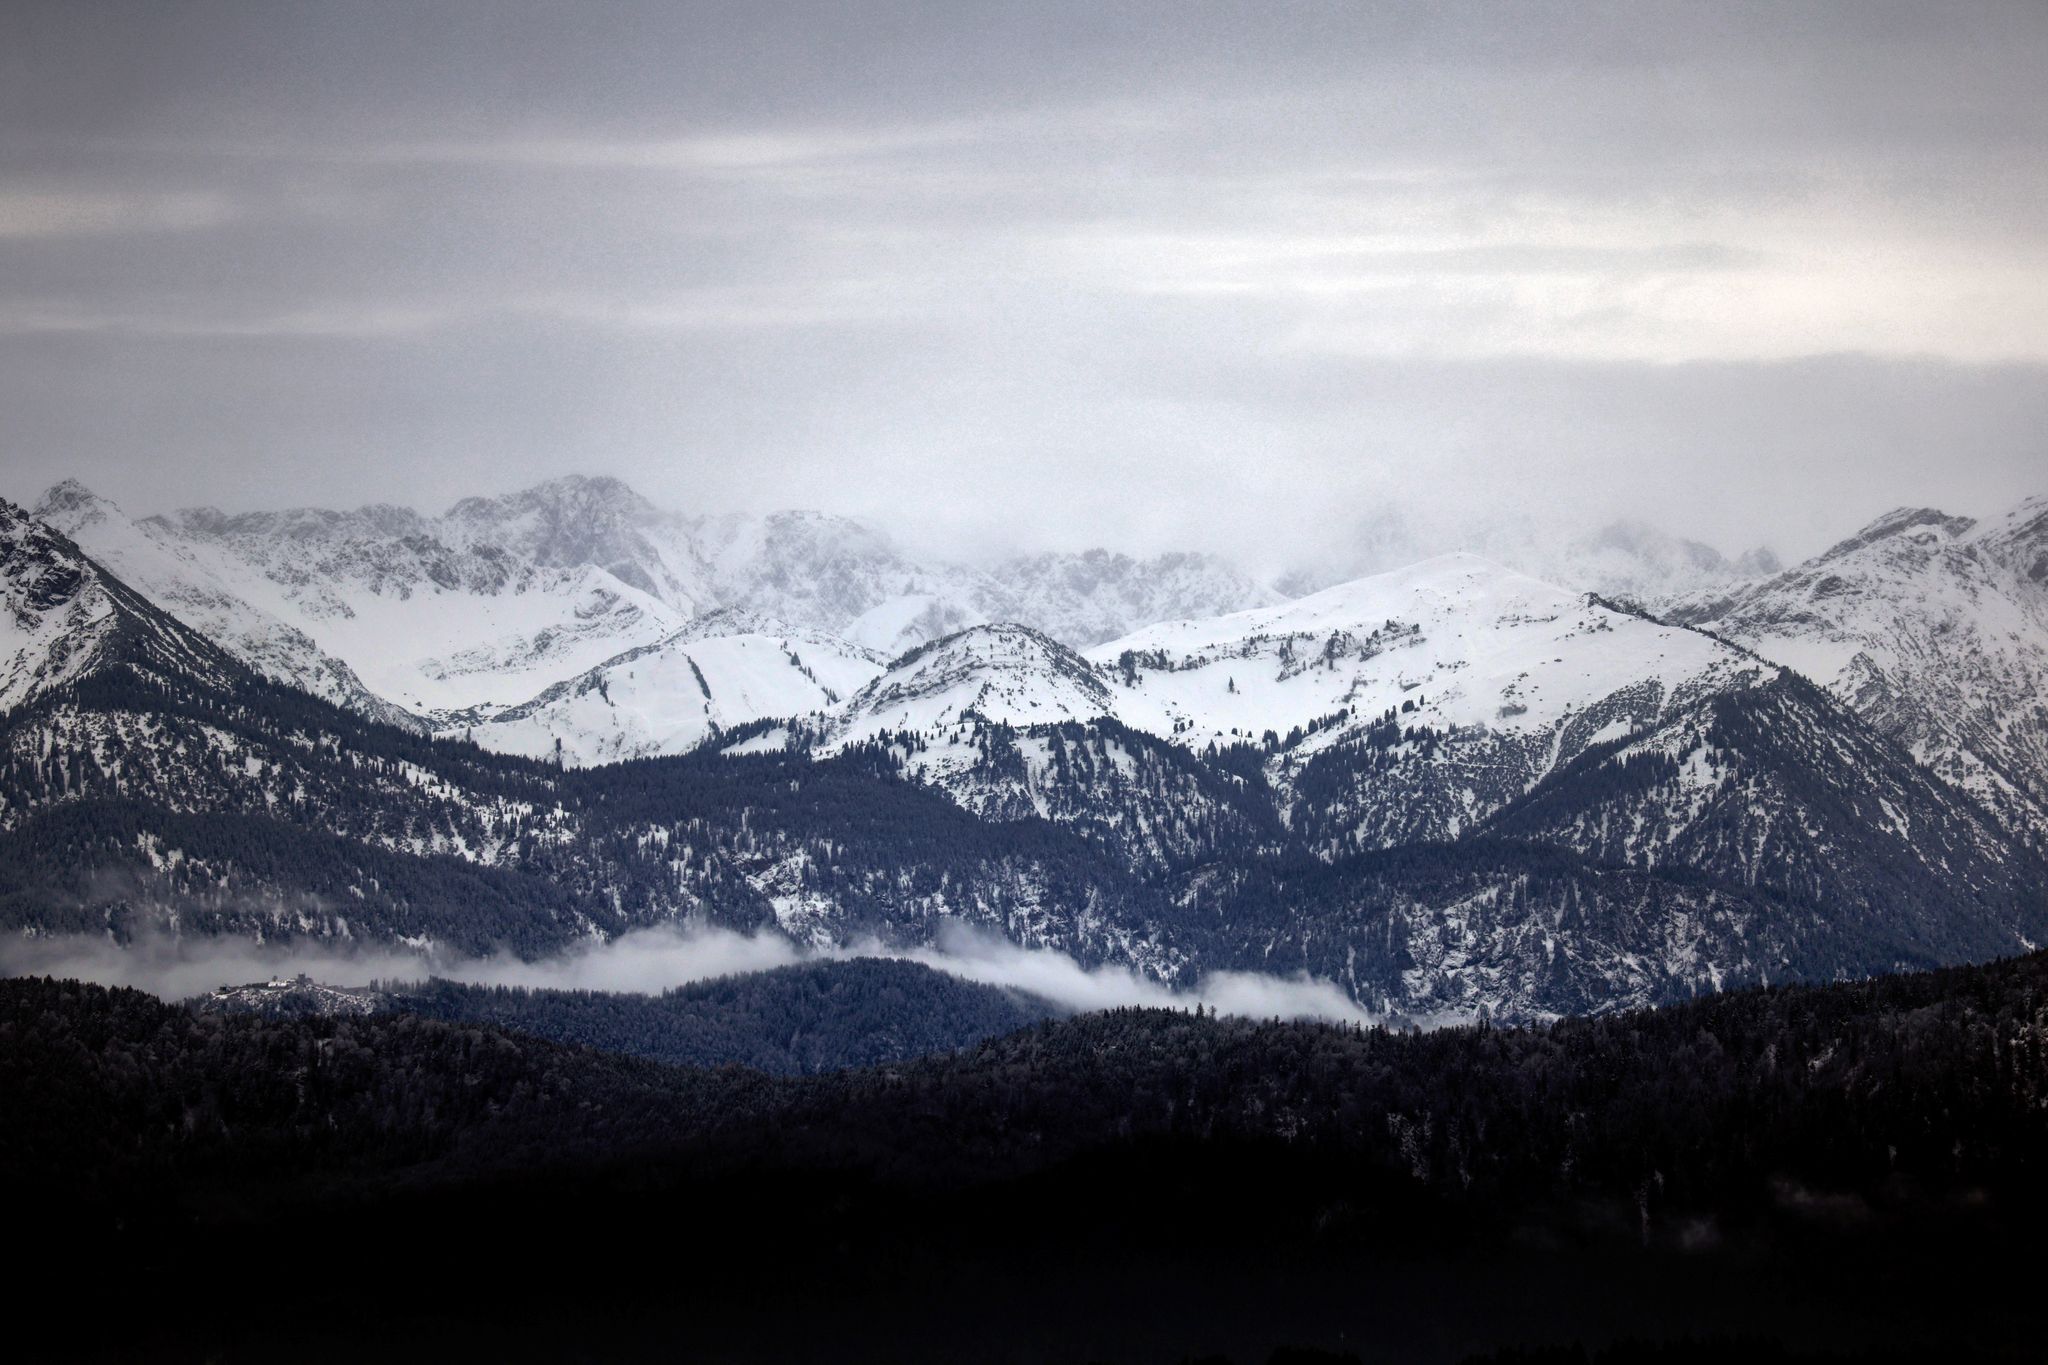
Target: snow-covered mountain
point(839, 575)
point(1453, 700)
point(552, 621)
point(1452, 642)
point(836, 574)
point(63, 619)
point(1005, 675)
point(1088, 598)
point(1455, 643)
point(1408, 706)
point(433, 614)
point(438, 621)
point(720, 672)
point(1634, 559)
point(216, 595)
point(1932, 627)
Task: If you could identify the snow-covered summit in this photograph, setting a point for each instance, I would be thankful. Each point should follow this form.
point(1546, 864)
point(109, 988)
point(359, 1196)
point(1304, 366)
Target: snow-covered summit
point(579, 522)
point(69, 503)
point(427, 620)
point(1923, 527)
point(1003, 675)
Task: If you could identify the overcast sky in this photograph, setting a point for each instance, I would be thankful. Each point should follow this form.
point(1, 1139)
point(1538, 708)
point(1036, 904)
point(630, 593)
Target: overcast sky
point(1056, 273)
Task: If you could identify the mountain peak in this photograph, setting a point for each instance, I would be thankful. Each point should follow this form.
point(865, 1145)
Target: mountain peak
point(1009, 639)
point(62, 617)
point(1900, 521)
point(69, 504)
point(1642, 540)
point(577, 494)
point(1761, 562)
point(1001, 673)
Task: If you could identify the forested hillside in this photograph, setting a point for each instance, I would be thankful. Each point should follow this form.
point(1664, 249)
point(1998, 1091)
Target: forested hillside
point(810, 1017)
point(1876, 1124)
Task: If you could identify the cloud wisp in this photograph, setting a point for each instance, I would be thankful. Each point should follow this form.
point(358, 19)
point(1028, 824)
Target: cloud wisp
point(975, 955)
point(648, 961)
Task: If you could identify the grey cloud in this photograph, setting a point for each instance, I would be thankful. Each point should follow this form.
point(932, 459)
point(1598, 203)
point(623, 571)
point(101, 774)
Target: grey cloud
point(648, 961)
point(1149, 274)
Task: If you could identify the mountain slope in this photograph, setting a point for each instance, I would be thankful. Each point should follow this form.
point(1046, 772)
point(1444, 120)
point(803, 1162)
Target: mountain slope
point(1934, 628)
point(63, 620)
point(1778, 789)
point(1486, 928)
point(1409, 706)
point(213, 595)
point(436, 615)
point(721, 672)
point(1395, 709)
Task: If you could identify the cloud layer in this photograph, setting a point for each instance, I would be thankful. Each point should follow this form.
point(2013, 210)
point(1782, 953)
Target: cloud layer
point(1151, 274)
point(651, 960)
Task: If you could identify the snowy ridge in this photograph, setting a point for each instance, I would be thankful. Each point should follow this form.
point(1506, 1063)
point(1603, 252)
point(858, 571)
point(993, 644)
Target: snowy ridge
point(54, 621)
point(1453, 642)
point(577, 619)
point(428, 620)
point(719, 672)
point(1005, 675)
point(1401, 708)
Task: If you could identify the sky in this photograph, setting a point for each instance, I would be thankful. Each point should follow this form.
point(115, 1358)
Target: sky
point(1041, 275)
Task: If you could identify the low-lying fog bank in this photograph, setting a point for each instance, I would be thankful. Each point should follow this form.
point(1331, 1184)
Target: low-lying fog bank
point(652, 960)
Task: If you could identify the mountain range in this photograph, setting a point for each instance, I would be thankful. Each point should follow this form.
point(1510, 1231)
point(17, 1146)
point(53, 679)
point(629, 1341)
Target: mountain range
point(1451, 789)
point(440, 622)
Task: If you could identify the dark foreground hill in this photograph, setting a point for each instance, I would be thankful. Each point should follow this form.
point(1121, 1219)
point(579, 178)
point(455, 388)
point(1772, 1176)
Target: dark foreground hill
point(1841, 1167)
point(796, 1020)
